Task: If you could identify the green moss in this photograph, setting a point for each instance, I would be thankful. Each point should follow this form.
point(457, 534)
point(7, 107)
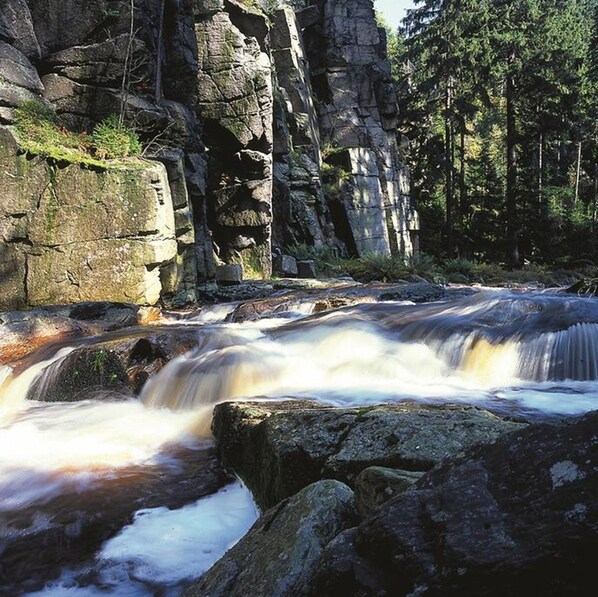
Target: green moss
point(252, 266)
point(38, 133)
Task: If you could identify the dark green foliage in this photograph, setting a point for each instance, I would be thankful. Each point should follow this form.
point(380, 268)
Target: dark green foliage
point(500, 100)
point(383, 268)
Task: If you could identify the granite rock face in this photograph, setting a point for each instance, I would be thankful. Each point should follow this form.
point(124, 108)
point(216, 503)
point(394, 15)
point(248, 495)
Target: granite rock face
point(235, 104)
point(368, 187)
point(518, 518)
point(275, 129)
point(279, 447)
point(301, 211)
point(72, 235)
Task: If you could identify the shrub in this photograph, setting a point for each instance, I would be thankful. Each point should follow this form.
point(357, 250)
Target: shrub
point(112, 139)
point(459, 265)
point(379, 267)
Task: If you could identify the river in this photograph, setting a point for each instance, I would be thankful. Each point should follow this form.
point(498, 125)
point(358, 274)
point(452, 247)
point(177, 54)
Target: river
point(123, 495)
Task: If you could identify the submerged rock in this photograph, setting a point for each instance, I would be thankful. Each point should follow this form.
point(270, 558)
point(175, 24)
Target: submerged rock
point(279, 554)
point(277, 448)
point(516, 518)
point(112, 367)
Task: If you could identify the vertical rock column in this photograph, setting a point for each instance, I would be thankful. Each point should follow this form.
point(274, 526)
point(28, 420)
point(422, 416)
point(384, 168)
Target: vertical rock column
point(300, 212)
point(357, 109)
point(235, 104)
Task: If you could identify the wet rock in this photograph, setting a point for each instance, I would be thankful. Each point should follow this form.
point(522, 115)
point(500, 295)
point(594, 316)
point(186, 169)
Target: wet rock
point(81, 375)
point(587, 286)
point(376, 485)
point(113, 367)
point(114, 315)
point(23, 333)
point(278, 555)
point(40, 538)
point(517, 518)
point(279, 447)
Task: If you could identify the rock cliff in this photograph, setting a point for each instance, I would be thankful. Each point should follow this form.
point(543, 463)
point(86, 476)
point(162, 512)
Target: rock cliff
point(266, 127)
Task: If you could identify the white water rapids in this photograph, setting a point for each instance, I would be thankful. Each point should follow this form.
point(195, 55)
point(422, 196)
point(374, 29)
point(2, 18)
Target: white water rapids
point(527, 355)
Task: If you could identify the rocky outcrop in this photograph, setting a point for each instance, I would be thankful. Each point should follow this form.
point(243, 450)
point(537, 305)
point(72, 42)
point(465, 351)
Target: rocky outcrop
point(278, 448)
point(289, 540)
point(235, 103)
point(274, 129)
point(71, 235)
point(516, 518)
point(367, 186)
point(300, 208)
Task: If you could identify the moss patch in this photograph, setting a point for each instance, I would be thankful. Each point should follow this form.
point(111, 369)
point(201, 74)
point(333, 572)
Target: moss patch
point(111, 145)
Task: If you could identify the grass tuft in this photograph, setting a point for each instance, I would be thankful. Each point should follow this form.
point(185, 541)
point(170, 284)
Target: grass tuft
point(111, 144)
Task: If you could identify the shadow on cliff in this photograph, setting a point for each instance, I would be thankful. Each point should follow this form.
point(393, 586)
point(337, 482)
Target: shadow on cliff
point(13, 272)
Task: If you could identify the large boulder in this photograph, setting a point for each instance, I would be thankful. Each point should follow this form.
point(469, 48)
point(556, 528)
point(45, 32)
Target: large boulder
point(277, 448)
point(75, 235)
point(516, 518)
point(279, 554)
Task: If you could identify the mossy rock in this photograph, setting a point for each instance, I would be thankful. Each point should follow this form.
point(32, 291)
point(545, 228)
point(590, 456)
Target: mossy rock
point(81, 375)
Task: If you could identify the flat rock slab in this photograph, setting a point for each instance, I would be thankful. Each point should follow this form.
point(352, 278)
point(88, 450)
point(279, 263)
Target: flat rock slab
point(23, 332)
point(278, 448)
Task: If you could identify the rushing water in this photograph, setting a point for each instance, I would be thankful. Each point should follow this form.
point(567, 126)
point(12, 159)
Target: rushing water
point(74, 475)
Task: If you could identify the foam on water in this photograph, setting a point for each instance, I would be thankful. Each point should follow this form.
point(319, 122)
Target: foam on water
point(163, 548)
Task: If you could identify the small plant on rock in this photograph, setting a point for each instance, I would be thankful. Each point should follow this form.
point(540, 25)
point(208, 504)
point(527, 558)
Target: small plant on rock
point(112, 139)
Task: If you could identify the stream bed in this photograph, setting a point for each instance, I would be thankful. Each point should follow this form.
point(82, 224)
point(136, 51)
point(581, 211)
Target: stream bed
point(123, 495)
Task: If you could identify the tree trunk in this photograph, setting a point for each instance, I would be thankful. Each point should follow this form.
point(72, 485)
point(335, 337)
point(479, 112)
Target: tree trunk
point(595, 212)
point(159, 54)
point(448, 172)
point(540, 169)
point(511, 191)
point(126, 79)
point(462, 185)
point(577, 174)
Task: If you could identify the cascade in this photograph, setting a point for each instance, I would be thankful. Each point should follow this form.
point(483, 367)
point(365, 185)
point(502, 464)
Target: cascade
point(523, 354)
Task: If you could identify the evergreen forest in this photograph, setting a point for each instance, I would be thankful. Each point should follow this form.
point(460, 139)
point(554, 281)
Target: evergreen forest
point(498, 100)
